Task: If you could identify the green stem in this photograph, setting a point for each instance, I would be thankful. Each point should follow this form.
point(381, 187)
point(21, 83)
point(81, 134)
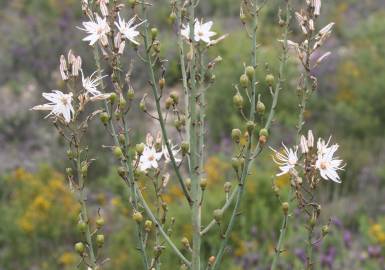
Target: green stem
point(154, 88)
point(280, 243)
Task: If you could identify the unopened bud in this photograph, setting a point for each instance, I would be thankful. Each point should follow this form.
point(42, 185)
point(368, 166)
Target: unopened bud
point(99, 222)
point(227, 187)
point(238, 101)
point(175, 97)
point(185, 147)
point(130, 93)
point(236, 135)
point(69, 171)
point(264, 132)
point(82, 226)
point(250, 72)
point(269, 79)
point(137, 217)
point(235, 163)
point(211, 260)
point(260, 107)
point(79, 248)
point(162, 83)
point(250, 125)
point(122, 172)
point(169, 102)
point(142, 106)
point(154, 33)
point(244, 81)
point(104, 118)
point(112, 98)
point(148, 225)
point(172, 17)
point(100, 240)
point(139, 148)
point(118, 152)
point(185, 242)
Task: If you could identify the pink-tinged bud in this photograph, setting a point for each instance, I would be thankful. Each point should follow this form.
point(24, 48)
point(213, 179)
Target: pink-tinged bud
point(63, 68)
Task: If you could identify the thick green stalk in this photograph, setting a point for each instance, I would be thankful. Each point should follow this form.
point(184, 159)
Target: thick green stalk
point(194, 151)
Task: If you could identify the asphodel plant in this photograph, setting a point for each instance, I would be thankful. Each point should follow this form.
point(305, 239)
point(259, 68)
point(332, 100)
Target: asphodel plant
point(175, 149)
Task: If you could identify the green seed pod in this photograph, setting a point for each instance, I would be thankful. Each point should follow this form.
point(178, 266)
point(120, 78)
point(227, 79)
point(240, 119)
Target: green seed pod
point(185, 147)
point(70, 154)
point(112, 98)
point(154, 33)
point(137, 216)
point(260, 107)
point(250, 72)
point(142, 106)
point(148, 225)
point(99, 222)
point(118, 152)
point(285, 207)
point(82, 226)
point(218, 214)
point(325, 230)
point(139, 148)
point(130, 93)
point(238, 101)
point(312, 222)
point(269, 79)
point(235, 163)
point(250, 125)
point(227, 187)
point(80, 248)
point(104, 118)
point(162, 83)
point(244, 81)
point(100, 240)
point(122, 139)
point(132, 3)
point(264, 132)
point(122, 103)
point(203, 183)
point(236, 135)
point(84, 169)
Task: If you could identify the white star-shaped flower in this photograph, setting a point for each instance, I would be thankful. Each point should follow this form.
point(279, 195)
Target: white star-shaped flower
point(96, 30)
point(149, 158)
point(287, 160)
point(90, 84)
point(328, 165)
point(202, 31)
point(127, 29)
point(60, 105)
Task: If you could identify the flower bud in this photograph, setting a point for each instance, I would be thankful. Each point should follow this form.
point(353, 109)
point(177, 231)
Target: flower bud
point(325, 230)
point(122, 139)
point(174, 96)
point(238, 101)
point(82, 226)
point(285, 207)
point(218, 214)
point(236, 135)
point(104, 118)
point(250, 72)
point(169, 102)
point(70, 154)
point(185, 147)
point(203, 183)
point(154, 33)
point(269, 79)
point(80, 248)
point(118, 152)
point(227, 187)
point(142, 106)
point(99, 222)
point(172, 17)
point(235, 163)
point(122, 172)
point(139, 148)
point(137, 216)
point(130, 93)
point(250, 125)
point(122, 102)
point(148, 225)
point(260, 107)
point(162, 83)
point(264, 132)
point(244, 81)
point(211, 260)
point(112, 98)
point(100, 240)
point(185, 242)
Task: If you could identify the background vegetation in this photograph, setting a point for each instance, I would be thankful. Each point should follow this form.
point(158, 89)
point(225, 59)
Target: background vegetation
point(38, 212)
